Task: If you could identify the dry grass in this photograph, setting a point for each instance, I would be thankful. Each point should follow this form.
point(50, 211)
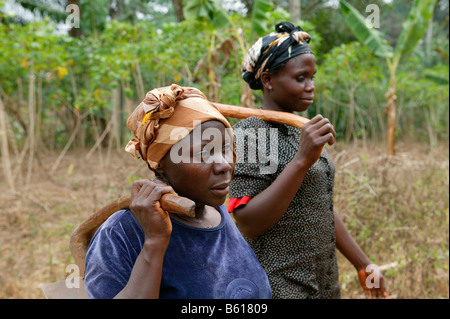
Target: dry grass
point(397, 210)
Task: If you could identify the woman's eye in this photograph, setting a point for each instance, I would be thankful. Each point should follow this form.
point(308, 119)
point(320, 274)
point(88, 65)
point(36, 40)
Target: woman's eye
point(204, 154)
point(208, 153)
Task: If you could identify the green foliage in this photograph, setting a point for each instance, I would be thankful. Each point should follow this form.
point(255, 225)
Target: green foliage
point(209, 11)
point(56, 13)
point(371, 37)
point(100, 74)
point(260, 11)
point(350, 87)
point(414, 26)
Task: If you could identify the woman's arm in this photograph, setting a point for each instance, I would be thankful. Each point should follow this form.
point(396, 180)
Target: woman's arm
point(145, 278)
point(266, 208)
point(351, 250)
point(347, 245)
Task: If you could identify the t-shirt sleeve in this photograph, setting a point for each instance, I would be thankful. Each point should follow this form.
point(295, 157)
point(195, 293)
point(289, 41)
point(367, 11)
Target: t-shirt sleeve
point(109, 262)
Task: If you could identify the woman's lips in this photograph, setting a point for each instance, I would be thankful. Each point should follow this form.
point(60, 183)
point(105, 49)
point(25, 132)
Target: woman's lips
point(307, 100)
point(221, 189)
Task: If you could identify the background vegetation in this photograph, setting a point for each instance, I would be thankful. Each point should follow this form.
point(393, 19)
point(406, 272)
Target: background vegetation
point(65, 94)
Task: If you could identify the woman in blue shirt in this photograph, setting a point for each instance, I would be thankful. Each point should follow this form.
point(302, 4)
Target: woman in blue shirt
point(146, 252)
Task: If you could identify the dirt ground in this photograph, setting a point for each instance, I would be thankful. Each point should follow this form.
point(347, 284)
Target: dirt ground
point(396, 208)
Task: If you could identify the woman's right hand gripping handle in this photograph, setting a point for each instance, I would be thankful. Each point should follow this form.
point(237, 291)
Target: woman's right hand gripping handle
point(315, 134)
point(146, 208)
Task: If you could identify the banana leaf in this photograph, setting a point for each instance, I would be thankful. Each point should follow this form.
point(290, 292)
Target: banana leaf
point(210, 10)
point(415, 26)
point(370, 37)
point(259, 17)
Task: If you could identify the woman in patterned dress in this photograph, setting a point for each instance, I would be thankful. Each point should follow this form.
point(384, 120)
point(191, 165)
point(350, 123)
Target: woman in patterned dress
point(285, 211)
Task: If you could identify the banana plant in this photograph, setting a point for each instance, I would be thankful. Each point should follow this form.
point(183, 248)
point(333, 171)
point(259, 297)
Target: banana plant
point(259, 17)
point(414, 28)
point(207, 10)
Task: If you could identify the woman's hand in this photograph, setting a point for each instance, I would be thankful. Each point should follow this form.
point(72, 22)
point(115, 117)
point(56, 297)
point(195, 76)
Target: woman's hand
point(146, 208)
point(376, 288)
point(315, 134)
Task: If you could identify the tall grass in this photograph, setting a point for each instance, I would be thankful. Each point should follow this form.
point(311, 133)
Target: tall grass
point(397, 209)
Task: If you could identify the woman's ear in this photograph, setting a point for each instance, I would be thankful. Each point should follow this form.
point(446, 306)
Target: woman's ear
point(160, 169)
point(266, 80)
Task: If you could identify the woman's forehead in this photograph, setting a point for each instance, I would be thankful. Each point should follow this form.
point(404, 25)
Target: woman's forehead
point(302, 61)
point(206, 132)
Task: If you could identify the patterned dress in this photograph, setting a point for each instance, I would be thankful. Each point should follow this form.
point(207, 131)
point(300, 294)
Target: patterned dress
point(299, 251)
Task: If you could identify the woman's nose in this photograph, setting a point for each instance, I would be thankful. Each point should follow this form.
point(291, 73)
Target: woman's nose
point(310, 86)
point(221, 164)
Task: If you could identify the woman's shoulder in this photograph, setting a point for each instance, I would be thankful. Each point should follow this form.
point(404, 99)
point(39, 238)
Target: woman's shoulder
point(252, 122)
point(123, 216)
point(120, 226)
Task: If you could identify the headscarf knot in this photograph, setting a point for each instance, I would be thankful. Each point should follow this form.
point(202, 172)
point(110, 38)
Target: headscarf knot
point(273, 51)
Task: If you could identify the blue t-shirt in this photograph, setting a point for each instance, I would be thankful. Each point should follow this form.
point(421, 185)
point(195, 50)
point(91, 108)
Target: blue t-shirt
point(213, 263)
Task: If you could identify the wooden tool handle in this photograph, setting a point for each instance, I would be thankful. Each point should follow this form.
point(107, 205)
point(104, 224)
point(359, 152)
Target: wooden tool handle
point(239, 112)
point(169, 202)
point(178, 205)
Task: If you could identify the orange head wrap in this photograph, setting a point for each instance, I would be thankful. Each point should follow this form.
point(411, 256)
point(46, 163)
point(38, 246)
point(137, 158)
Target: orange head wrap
point(166, 113)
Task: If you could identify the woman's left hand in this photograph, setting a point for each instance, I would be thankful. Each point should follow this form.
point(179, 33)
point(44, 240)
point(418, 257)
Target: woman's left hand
point(373, 284)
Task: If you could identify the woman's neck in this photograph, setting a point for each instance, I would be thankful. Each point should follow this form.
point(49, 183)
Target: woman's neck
point(207, 217)
point(269, 104)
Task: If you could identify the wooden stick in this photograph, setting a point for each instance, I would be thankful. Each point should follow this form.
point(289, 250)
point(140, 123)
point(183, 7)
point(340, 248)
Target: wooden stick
point(239, 112)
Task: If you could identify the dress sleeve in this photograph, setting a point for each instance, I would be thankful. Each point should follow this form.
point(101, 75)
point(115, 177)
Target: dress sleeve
point(257, 163)
point(234, 203)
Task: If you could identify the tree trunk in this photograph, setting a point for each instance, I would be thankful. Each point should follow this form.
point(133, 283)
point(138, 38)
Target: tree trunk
point(428, 39)
point(295, 10)
point(31, 130)
point(178, 6)
point(6, 162)
point(391, 114)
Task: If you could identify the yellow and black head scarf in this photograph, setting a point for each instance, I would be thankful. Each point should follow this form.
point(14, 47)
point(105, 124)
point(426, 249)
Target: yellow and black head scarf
point(274, 50)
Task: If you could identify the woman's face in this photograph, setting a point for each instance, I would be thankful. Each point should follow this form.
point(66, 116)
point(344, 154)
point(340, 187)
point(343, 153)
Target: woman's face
point(200, 166)
point(293, 85)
